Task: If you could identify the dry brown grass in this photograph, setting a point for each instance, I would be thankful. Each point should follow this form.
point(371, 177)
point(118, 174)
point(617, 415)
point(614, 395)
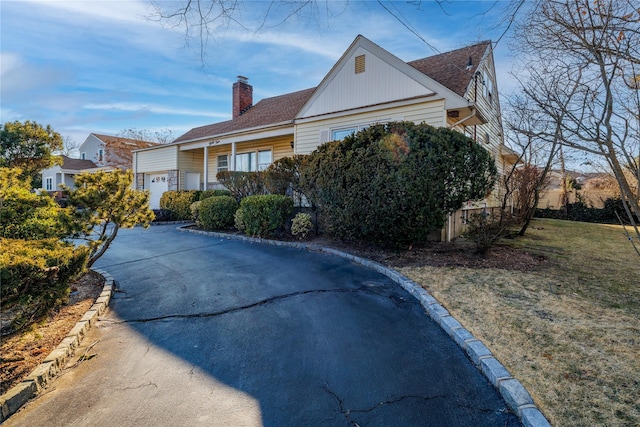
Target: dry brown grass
point(568, 329)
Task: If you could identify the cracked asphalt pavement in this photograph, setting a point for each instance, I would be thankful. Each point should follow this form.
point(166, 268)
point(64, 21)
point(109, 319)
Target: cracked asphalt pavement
point(215, 332)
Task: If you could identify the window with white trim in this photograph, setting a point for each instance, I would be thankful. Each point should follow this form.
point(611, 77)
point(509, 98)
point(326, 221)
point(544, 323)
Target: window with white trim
point(83, 156)
point(488, 87)
point(222, 163)
point(48, 184)
point(339, 134)
point(254, 161)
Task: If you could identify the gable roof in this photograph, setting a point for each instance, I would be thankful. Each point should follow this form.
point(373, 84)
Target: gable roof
point(446, 71)
point(451, 68)
point(269, 111)
point(76, 164)
point(135, 144)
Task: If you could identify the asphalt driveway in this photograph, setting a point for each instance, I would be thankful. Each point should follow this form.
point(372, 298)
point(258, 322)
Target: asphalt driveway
point(215, 332)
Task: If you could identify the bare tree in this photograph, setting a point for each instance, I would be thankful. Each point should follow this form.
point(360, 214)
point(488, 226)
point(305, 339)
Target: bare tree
point(582, 59)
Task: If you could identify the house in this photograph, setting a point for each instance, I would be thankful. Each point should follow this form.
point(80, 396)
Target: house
point(367, 85)
point(111, 151)
point(63, 174)
point(97, 152)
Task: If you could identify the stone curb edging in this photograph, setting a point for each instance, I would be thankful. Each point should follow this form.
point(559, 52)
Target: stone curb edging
point(513, 392)
point(54, 363)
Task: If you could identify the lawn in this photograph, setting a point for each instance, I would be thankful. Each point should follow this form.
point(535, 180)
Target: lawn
point(568, 328)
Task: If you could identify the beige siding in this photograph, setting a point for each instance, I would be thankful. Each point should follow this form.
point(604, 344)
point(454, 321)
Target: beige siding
point(159, 159)
point(308, 134)
point(280, 147)
point(190, 161)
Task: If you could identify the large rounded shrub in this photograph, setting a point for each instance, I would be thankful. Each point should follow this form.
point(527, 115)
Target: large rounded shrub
point(263, 215)
point(179, 203)
point(217, 213)
point(393, 184)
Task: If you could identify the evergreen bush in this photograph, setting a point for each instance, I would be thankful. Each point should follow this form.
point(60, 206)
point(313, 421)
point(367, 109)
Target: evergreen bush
point(302, 225)
point(35, 276)
point(216, 213)
point(393, 184)
point(213, 193)
point(263, 215)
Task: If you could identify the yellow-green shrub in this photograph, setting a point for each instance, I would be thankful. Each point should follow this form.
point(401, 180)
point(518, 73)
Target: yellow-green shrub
point(179, 203)
point(35, 276)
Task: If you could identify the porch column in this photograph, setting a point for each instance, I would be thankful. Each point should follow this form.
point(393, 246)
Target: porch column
point(61, 181)
point(206, 167)
point(233, 156)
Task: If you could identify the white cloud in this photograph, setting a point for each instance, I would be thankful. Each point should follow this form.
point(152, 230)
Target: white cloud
point(156, 109)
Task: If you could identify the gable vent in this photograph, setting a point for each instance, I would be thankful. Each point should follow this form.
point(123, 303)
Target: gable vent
point(360, 64)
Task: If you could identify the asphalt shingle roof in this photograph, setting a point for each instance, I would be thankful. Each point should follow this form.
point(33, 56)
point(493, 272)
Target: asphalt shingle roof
point(268, 111)
point(449, 69)
point(76, 164)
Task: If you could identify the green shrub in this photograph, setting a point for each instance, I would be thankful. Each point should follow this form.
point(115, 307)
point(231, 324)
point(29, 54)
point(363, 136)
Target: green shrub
point(213, 193)
point(393, 184)
point(302, 226)
point(35, 277)
point(242, 184)
point(179, 203)
point(263, 215)
point(217, 213)
point(27, 215)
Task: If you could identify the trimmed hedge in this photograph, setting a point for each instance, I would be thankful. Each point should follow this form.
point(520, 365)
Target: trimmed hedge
point(263, 215)
point(35, 277)
point(213, 193)
point(579, 211)
point(215, 213)
point(179, 203)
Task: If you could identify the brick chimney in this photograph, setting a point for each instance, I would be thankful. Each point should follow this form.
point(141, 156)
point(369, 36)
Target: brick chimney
point(242, 96)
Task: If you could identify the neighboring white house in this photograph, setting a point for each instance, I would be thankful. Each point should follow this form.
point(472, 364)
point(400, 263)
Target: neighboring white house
point(55, 176)
point(97, 152)
point(367, 85)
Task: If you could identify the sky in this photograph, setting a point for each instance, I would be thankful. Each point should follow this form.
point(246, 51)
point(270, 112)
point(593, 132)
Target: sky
point(104, 66)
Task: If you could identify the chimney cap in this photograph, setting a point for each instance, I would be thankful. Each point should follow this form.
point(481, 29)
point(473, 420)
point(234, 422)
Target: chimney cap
point(243, 79)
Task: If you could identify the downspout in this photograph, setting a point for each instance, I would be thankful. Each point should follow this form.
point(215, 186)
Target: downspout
point(475, 99)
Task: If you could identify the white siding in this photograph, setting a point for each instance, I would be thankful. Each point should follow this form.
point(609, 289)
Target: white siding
point(308, 134)
point(91, 148)
point(381, 82)
point(156, 160)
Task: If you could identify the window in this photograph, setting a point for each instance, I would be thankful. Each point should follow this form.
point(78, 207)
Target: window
point(254, 161)
point(100, 155)
point(83, 156)
point(264, 159)
point(246, 162)
point(340, 134)
point(223, 163)
point(488, 87)
point(49, 184)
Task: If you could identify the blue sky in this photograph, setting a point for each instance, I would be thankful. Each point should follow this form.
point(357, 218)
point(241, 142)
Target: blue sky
point(106, 66)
